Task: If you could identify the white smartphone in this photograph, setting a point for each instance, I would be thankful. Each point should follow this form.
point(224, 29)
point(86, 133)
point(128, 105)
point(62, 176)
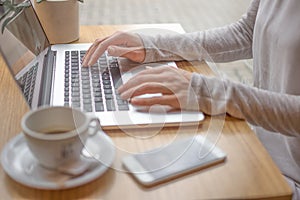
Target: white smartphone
point(173, 160)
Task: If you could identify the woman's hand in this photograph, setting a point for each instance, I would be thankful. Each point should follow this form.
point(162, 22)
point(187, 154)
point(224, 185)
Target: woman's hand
point(171, 82)
point(124, 44)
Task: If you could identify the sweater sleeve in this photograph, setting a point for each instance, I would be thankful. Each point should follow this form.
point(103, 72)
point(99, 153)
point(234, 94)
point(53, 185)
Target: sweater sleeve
point(222, 44)
point(273, 111)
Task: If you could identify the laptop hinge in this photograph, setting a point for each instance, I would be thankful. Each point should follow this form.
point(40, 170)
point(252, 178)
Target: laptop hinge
point(47, 78)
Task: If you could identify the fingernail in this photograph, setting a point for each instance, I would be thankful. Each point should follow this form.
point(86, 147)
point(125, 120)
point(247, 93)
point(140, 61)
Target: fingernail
point(89, 64)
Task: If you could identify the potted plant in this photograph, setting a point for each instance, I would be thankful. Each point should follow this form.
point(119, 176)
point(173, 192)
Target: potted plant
point(13, 17)
point(9, 9)
point(38, 1)
point(59, 18)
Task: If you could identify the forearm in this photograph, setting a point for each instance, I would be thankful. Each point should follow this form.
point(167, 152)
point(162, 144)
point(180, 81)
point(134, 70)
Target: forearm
point(270, 110)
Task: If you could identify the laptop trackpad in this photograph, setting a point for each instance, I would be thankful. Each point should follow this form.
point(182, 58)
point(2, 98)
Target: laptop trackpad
point(150, 116)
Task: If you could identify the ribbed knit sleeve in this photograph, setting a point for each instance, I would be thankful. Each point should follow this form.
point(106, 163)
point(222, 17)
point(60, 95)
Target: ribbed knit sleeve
point(271, 110)
point(220, 44)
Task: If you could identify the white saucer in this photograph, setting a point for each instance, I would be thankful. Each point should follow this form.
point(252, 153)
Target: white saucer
point(19, 163)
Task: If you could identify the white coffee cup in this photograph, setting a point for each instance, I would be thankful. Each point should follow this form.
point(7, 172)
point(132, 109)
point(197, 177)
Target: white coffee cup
point(56, 135)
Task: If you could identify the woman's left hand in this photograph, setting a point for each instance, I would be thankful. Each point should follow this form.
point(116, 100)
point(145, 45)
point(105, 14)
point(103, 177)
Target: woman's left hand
point(171, 82)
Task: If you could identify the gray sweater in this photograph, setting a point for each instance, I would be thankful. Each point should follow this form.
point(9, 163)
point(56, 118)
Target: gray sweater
point(270, 34)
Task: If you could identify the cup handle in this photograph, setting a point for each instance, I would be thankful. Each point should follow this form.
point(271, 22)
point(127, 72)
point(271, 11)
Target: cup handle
point(97, 127)
point(91, 134)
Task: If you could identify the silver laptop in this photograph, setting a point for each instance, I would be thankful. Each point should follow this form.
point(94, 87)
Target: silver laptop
point(52, 75)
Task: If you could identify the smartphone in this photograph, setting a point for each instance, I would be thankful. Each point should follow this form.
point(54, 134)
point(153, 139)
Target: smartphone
point(173, 160)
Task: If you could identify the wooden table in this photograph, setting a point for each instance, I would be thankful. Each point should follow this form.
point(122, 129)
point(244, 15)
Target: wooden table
point(248, 171)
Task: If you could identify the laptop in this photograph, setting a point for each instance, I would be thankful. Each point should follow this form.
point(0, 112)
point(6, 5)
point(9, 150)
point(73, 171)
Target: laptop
point(52, 75)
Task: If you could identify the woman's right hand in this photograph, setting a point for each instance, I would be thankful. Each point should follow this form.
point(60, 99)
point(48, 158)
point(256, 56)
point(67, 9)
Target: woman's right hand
point(119, 44)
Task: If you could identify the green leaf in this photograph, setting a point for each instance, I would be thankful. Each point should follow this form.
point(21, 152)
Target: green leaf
point(17, 10)
point(4, 14)
point(25, 4)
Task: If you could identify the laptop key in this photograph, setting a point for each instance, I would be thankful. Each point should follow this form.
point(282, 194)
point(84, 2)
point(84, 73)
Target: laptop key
point(76, 104)
point(85, 69)
point(97, 94)
point(123, 107)
point(75, 85)
point(75, 81)
point(67, 93)
point(110, 105)
point(85, 82)
point(116, 75)
point(87, 101)
point(97, 89)
point(75, 99)
point(107, 91)
point(122, 102)
point(86, 96)
point(99, 107)
point(86, 91)
point(107, 87)
point(87, 107)
point(75, 89)
point(75, 94)
point(67, 99)
point(108, 96)
point(106, 82)
point(98, 99)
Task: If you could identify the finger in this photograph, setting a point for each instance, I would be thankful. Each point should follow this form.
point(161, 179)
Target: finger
point(155, 70)
point(146, 88)
point(100, 45)
point(169, 100)
point(138, 80)
point(136, 54)
point(90, 51)
point(97, 53)
point(164, 71)
point(149, 75)
point(117, 39)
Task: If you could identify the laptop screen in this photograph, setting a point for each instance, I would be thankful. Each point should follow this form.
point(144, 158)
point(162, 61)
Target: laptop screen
point(22, 36)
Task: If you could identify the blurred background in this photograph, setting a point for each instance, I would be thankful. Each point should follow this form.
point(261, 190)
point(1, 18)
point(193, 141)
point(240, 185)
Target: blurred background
point(193, 15)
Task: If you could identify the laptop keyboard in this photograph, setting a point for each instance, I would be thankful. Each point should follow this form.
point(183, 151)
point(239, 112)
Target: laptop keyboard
point(92, 89)
point(27, 83)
